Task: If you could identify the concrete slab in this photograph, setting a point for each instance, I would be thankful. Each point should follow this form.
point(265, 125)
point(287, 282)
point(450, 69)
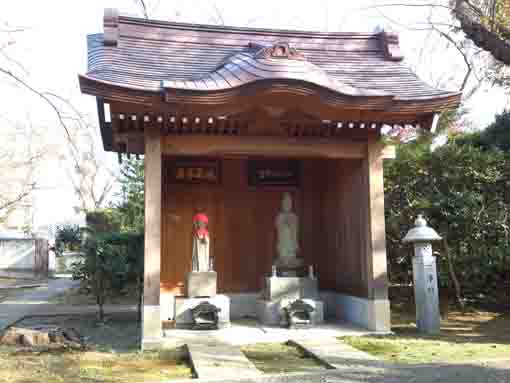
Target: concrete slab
point(249, 331)
point(215, 360)
point(332, 352)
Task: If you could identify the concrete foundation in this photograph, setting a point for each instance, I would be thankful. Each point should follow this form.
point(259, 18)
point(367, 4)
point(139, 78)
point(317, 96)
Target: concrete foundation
point(151, 327)
point(373, 315)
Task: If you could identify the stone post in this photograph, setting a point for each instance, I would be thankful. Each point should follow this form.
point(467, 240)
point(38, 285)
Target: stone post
point(426, 293)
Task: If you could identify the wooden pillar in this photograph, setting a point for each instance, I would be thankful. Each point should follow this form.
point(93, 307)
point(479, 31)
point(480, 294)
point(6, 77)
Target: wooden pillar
point(151, 318)
point(375, 266)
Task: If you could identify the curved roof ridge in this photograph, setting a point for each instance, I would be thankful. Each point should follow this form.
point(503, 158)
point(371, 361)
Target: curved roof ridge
point(231, 28)
point(279, 61)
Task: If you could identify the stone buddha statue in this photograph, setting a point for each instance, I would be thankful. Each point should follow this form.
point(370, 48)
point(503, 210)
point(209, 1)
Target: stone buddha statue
point(200, 258)
point(287, 229)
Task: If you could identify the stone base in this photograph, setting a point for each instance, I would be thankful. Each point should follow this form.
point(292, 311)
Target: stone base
point(290, 288)
point(151, 327)
point(371, 314)
point(183, 306)
point(201, 284)
point(288, 263)
point(272, 313)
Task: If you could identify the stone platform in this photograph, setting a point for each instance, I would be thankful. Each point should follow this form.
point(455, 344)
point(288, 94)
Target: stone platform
point(278, 288)
point(280, 292)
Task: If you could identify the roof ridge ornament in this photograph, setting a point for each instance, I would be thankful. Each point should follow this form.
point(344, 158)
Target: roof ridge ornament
point(111, 26)
point(391, 46)
point(278, 50)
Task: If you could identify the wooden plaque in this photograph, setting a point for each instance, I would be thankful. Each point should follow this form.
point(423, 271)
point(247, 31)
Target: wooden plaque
point(273, 173)
point(196, 171)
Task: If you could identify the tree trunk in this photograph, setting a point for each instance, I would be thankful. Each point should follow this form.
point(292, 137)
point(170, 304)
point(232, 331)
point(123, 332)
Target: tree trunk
point(139, 289)
point(484, 38)
point(101, 313)
point(451, 270)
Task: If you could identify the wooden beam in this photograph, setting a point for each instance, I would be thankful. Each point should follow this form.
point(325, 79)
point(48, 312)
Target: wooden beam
point(375, 257)
point(375, 272)
point(389, 152)
point(262, 146)
point(151, 331)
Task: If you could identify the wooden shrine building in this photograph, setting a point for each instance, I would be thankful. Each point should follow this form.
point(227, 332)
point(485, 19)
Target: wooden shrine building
point(228, 119)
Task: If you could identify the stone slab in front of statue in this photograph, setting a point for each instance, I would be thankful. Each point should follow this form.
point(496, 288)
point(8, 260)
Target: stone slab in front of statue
point(183, 310)
point(272, 313)
point(290, 288)
point(201, 284)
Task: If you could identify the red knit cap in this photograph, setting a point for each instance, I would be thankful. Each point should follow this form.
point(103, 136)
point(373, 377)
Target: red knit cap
point(201, 217)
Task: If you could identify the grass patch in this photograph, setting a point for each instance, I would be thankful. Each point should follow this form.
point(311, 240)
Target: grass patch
point(114, 355)
point(471, 336)
point(273, 358)
point(405, 350)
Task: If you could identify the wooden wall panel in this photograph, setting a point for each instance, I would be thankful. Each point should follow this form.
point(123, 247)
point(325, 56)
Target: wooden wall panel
point(243, 244)
point(241, 226)
point(343, 214)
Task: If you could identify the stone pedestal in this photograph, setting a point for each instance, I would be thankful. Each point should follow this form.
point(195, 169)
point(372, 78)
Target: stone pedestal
point(289, 266)
point(279, 292)
point(183, 306)
point(426, 293)
point(201, 284)
point(278, 288)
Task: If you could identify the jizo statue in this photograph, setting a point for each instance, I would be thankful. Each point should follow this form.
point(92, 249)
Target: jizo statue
point(201, 241)
point(287, 226)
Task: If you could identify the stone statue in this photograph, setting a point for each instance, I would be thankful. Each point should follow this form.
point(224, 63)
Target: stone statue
point(200, 258)
point(287, 226)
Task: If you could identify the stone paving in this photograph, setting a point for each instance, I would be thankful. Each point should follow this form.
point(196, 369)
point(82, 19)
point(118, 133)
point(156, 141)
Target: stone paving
point(216, 360)
point(25, 302)
point(331, 351)
point(217, 355)
point(350, 365)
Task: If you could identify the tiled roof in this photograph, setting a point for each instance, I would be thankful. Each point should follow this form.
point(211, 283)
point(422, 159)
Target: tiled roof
point(155, 56)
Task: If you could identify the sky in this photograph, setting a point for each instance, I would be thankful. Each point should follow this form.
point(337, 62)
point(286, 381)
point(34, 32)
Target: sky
point(52, 51)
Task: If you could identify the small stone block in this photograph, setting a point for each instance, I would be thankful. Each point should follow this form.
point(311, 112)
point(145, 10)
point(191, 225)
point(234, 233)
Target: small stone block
point(271, 313)
point(201, 284)
point(183, 306)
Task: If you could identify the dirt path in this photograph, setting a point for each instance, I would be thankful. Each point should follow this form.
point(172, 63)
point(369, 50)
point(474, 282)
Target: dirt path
point(370, 372)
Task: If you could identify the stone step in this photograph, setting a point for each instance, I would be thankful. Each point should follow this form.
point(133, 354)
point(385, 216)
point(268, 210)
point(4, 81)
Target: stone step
point(214, 360)
point(333, 353)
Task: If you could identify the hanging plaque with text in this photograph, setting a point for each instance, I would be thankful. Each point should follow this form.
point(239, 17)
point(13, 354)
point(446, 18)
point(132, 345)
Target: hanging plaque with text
point(196, 171)
point(273, 173)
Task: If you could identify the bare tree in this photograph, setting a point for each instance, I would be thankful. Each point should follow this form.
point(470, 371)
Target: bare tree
point(91, 177)
point(18, 165)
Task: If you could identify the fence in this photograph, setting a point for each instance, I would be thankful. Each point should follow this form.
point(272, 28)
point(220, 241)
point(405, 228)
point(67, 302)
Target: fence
point(23, 257)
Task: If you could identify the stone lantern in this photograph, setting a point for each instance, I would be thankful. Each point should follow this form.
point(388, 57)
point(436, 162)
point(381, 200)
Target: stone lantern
point(426, 293)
